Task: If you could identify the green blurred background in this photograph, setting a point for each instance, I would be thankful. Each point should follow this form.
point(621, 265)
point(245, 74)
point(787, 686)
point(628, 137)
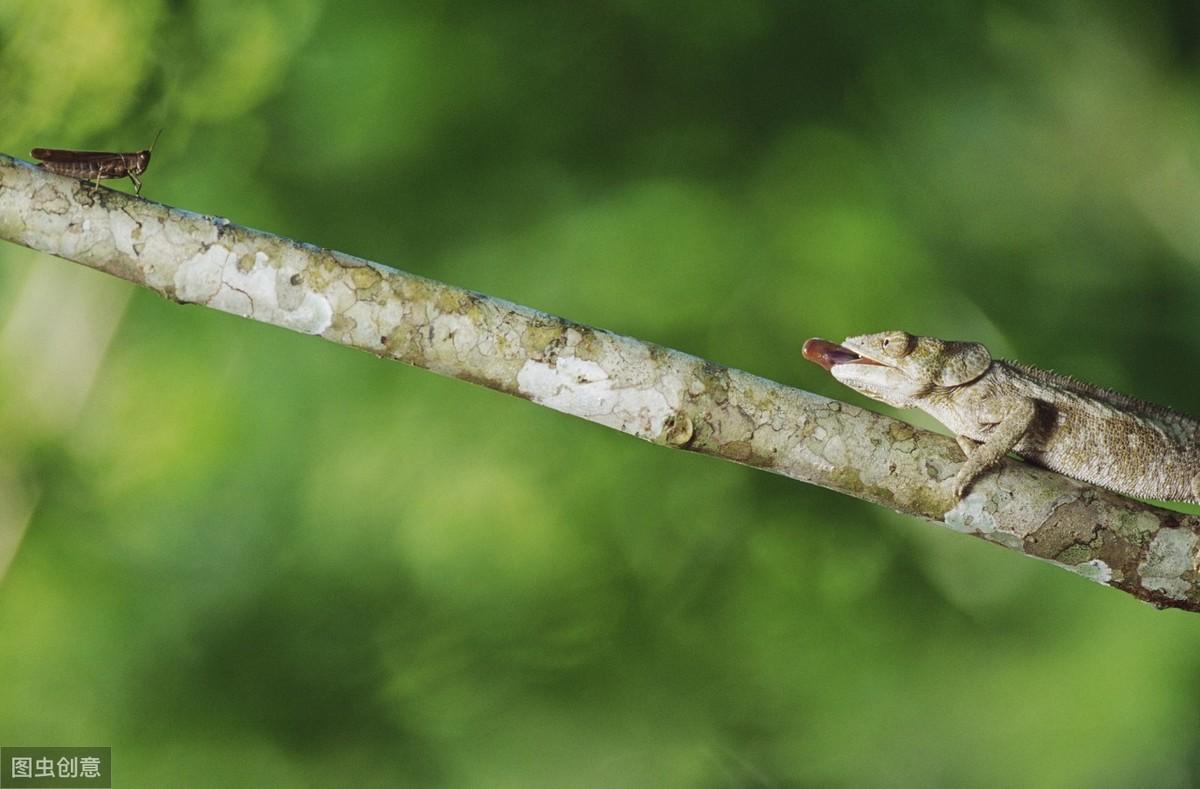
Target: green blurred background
point(244, 557)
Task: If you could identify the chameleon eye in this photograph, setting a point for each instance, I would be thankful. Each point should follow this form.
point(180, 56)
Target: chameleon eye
point(897, 344)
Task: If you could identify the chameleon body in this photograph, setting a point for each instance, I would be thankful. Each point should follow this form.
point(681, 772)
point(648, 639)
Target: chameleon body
point(995, 407)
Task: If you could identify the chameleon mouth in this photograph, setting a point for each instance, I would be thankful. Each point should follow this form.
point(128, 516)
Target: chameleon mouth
point(827, 354)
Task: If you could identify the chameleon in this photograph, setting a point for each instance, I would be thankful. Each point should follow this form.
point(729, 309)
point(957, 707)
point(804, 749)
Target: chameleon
point(994, 407)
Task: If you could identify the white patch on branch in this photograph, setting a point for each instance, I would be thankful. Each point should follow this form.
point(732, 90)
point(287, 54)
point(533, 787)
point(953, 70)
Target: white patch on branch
point(457, 329)
point(1171, 554)
point(583, 388)
point(261, 292)
point(198, 279)
point(1096, 570)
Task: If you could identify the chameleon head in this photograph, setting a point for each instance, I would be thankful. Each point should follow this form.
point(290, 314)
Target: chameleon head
point(896, 367)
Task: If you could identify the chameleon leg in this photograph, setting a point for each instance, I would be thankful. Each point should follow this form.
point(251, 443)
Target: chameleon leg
point(1004, 437)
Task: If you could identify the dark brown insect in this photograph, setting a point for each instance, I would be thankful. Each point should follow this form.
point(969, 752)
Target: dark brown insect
point(94, 165)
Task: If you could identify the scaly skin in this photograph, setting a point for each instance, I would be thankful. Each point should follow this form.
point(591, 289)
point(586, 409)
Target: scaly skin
point(995, 407)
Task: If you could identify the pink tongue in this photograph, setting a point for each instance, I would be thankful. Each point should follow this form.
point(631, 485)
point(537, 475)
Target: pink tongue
point(827, 354)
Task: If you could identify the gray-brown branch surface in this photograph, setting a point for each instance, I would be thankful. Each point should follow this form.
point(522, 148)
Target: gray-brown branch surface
point(655, 393)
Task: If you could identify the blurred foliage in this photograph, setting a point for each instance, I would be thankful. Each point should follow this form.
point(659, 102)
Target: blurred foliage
point(248, 558)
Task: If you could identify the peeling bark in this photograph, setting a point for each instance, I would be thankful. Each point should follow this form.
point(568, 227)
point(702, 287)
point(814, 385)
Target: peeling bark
point(655, 393)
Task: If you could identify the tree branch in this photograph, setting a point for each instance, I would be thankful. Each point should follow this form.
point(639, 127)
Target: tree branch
point(655, 393)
